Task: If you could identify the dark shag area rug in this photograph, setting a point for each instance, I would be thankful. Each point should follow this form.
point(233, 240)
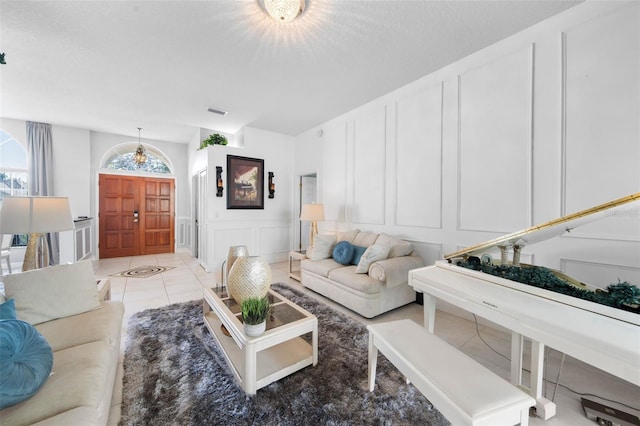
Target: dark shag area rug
point(175, 374)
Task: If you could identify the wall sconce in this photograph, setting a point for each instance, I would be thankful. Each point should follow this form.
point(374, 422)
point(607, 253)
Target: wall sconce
point(272, 186)
point(219, 186)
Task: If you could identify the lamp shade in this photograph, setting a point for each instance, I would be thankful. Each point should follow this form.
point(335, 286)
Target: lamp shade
point(27, 215)
point(312, 212)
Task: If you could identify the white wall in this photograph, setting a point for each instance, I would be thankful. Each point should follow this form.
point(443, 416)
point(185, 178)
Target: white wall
point(266, 233)
point(537, 126)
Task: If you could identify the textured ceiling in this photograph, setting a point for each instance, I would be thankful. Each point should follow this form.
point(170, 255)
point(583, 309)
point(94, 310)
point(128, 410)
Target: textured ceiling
point(113, 66)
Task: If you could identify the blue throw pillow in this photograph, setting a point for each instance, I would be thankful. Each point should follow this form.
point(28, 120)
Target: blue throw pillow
point(8, 309)
point(357, 254)
point(26, 360)
point(343, 252)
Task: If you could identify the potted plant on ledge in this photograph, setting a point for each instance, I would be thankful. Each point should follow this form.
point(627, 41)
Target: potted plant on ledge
point(255, 311)
point(214, 139)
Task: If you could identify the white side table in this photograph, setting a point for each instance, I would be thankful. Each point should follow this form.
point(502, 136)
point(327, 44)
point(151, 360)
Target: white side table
point(296, 257)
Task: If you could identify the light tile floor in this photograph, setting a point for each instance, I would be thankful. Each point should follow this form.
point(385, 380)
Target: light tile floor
point(187, 280)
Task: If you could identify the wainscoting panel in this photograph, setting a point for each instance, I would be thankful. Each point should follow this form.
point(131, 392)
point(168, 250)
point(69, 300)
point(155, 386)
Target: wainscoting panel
point(184, 231)
point(369, 166)
point(598, 66)
point(419, 159)
point(334, 172)
point(429, 252)
point(225, 238)
point(274, 240)
point(495, 142)
point(600, 274)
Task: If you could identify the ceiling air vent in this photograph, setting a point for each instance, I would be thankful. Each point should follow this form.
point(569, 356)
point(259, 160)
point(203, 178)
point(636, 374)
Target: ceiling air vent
point(217, 111)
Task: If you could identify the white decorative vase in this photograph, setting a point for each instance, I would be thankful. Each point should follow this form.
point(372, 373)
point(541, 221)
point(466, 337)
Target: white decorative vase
point(234, 253)
point(255, 330)
point(250, 276)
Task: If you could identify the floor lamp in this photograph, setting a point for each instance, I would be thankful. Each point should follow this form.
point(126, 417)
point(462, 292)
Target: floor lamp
point(35, 216)
point(312, 213)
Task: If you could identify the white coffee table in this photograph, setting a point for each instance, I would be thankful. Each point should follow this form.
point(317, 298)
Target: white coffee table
point(280, 351)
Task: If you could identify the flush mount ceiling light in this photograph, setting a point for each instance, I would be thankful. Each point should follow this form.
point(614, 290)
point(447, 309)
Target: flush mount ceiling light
point(140, 156)
point(283, 10)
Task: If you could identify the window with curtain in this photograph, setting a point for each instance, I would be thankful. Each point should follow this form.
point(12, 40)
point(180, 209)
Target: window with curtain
point(13, 174)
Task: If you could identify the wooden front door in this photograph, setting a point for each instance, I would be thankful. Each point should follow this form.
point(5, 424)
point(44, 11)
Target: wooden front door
point(136, 215)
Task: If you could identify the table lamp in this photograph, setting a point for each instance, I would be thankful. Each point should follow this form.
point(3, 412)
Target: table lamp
point(312, 213)
point(35, 216)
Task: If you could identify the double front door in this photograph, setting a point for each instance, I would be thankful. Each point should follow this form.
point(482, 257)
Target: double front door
point(136, 215)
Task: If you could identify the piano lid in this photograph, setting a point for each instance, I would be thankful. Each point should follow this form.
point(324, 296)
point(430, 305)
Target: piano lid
point(620, 207)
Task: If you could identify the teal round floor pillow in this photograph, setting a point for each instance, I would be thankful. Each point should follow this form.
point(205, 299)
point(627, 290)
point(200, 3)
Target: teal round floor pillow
point(26, 361)
point(343, 252)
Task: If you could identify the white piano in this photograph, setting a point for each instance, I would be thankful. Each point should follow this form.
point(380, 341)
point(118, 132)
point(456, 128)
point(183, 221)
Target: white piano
point(605, 337)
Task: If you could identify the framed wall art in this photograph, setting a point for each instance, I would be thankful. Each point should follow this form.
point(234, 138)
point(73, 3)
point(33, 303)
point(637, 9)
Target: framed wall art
point(245, 183)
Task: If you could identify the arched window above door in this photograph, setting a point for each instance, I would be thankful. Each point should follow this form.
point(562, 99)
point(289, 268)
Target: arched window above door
point(121, 158)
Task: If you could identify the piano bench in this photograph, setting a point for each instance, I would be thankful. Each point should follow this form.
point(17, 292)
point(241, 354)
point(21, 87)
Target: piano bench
point(464, 391)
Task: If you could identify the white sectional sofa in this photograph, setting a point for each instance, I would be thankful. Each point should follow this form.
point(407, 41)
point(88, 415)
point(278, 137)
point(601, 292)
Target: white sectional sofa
point(83, 327)
point(381, 281)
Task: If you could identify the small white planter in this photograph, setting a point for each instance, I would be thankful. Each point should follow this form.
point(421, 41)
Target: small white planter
point(254, 330)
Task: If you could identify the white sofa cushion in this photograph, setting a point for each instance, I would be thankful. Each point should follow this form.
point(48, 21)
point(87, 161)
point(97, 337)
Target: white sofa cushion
point(322, 246)
point(348, 235)
point(101, 324)
point(359, 282)
point(66, 389)
point(320, 267)
point(372, 254)
point(55, 292)
point(365, 239)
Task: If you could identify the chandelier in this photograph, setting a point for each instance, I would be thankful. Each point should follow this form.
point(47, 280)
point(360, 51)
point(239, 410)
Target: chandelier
point(284, 10)
point(140, 156)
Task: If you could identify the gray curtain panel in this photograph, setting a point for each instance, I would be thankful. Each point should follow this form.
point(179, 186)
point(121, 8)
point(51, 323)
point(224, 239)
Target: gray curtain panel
point(40, 146)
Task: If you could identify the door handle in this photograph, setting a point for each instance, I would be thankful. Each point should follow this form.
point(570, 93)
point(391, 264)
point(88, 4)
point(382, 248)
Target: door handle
point(135, 216)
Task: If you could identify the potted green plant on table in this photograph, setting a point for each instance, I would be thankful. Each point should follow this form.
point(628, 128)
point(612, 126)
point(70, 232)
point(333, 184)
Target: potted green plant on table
point(255, 311)
point(214, 139)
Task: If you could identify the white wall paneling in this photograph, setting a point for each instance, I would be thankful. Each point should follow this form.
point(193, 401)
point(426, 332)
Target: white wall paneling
point(333, 184)
point(429, 252)
point(274, 241)
point(530, 128)
point(223, 238)
point(602, 116)
point(233, 227)
point(419, 158)
point(369, 169)
point(183, 225)
point(495, 140)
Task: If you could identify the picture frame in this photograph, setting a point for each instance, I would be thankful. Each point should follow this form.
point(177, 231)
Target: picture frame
point(245, 182)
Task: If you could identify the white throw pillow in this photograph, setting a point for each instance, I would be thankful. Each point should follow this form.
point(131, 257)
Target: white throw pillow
point(55, 292)
point(403, 248)
point(374, 253)
point(322, 246)
point(398, 247)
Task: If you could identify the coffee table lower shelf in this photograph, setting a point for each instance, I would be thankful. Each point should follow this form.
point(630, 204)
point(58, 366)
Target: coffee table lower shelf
point(271, 363)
